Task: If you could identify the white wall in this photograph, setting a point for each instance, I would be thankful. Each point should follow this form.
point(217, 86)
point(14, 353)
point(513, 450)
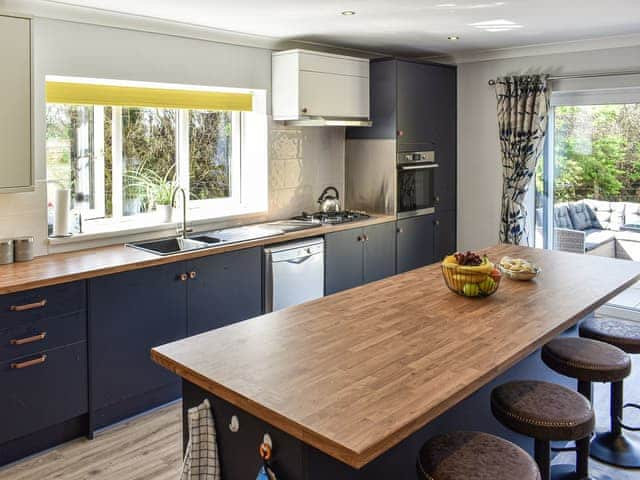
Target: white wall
point(479, 168)
point(74, 49)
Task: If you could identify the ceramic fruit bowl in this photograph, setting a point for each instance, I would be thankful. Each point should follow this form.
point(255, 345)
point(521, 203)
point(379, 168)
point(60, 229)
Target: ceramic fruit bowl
point(470, 280)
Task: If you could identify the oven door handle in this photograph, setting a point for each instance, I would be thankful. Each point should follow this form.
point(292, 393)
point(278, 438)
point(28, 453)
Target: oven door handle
point(418, 167)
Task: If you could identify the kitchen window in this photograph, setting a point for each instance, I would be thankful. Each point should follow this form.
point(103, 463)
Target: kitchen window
point(121, 163)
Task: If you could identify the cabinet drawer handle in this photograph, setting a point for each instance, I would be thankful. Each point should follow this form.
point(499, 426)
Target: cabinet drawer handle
point(23, 341)
point(183, 277)
point(192, 275)
point(359, 238)
point(365, 238)
point(29, 306)
point(400, 230)
point(29, 363)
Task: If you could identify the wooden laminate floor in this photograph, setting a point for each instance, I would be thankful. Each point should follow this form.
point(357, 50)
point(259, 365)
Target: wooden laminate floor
point(149, 448)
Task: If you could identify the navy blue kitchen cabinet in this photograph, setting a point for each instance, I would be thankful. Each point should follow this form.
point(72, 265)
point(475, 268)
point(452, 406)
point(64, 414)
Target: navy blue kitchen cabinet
point(43, 368)
point(129, 313)
point(224, 289)
point(411, 101)
point(415, 242)
point(379, 251)
point(359, 255)
point(445, 234)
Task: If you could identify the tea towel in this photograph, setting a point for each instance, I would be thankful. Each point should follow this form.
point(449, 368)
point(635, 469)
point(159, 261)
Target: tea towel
point(201, 460)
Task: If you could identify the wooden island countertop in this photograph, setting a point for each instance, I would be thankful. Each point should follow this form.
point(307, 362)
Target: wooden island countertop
point(355, 373)
point(83, 264)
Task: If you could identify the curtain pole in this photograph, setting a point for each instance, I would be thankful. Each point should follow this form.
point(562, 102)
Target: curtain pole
point(624, 73)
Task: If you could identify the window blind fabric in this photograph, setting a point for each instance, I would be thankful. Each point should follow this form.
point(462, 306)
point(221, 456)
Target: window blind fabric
point(72, 93)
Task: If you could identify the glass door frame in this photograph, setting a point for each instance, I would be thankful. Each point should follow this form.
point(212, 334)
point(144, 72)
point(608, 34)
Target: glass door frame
point(608, 96)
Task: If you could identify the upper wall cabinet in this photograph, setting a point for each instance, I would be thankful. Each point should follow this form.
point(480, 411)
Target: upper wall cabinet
point(16, 166)
point(310, 85)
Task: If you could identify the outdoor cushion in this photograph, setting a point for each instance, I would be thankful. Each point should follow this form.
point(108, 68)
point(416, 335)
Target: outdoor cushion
point(610, 215)
point(594, 237)
point(631, 213)
point(561, 217)
point(582, 217)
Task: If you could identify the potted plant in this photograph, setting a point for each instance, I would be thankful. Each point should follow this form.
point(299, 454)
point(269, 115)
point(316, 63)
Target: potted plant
point(154, 189)
point(162, 196)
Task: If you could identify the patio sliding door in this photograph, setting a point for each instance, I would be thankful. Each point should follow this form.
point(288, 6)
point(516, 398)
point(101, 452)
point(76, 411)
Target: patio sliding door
point(588, 181)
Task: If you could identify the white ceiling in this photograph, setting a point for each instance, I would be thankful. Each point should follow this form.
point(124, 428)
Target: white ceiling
point(401, 27)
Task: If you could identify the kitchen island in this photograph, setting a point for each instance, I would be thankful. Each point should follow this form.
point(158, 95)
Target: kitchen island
point(350, 385)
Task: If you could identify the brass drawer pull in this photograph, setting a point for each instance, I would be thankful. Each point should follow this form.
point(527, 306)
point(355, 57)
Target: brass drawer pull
point(23, 341)
point(192, 275)
point(183, 277)
point(29, 306)
point(29, 363)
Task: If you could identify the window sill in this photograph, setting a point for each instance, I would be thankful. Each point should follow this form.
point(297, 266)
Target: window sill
point(109, 233)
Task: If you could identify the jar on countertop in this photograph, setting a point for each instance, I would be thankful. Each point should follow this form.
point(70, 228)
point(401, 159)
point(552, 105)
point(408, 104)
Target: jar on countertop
point(23, 249)
point(6, 251)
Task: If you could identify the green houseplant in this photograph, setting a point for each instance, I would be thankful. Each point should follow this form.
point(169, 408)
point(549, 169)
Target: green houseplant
point(154, 190)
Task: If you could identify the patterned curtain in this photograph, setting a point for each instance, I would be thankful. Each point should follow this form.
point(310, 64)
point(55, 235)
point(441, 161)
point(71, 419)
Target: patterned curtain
point(523, 103)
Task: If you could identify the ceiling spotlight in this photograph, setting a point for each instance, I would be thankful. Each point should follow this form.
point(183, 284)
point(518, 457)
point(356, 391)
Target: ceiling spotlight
point(453, 37)
point(348, 13)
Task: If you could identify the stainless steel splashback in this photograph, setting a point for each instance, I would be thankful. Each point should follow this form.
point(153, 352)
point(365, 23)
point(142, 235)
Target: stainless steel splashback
point(370, 171)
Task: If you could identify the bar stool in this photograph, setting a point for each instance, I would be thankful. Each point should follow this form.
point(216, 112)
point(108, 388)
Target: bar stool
point(481, 456)
point(613, 447)
point(547, 412)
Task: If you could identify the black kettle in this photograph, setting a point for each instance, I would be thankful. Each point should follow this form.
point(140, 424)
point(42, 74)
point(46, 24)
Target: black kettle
point(329, 203)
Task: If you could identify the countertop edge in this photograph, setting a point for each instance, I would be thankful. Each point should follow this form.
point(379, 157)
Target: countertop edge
point(148, 259)
point(326, 445)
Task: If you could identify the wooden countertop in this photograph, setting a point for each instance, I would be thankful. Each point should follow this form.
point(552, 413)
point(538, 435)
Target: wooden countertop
point(355, 373)
point(82, 264)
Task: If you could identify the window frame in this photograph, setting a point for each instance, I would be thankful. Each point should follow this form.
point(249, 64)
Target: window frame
point(206, 208)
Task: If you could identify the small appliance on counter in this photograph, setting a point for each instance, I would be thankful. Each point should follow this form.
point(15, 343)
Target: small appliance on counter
point(329, 203)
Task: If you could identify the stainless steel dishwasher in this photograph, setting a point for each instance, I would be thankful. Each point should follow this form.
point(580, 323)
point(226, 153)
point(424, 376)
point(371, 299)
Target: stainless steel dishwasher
point(294, 273)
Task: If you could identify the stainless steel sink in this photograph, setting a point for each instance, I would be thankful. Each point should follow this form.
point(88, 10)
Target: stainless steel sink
point(170, 246)
point(198, 241)
point(206, 239)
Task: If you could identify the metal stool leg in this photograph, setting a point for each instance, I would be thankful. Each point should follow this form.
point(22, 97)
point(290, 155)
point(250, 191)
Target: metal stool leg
point(585, 389)
point(542, 455)
point(613, 447)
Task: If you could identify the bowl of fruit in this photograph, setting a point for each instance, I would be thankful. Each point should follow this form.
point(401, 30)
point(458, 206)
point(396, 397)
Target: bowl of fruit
point(470, 275)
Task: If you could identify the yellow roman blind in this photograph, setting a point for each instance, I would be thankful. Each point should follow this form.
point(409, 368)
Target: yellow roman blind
point(134, 96)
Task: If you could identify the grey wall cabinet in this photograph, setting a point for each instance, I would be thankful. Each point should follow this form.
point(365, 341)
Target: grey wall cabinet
point(358, 256)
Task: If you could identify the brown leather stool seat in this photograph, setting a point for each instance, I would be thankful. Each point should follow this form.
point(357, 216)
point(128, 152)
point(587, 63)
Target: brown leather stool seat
point(614, 447)
point(543, 410)
point(586, 360)
point(481, 456)
point(624, 334)
point(546, 412)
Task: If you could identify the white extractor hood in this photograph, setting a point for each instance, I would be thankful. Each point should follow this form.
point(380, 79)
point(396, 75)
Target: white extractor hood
point(313, 89)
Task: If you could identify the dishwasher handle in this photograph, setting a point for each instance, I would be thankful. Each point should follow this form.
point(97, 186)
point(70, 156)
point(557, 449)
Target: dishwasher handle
point(297, 255)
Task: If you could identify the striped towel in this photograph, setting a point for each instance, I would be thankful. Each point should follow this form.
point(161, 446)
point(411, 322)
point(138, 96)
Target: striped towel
point(201, 458)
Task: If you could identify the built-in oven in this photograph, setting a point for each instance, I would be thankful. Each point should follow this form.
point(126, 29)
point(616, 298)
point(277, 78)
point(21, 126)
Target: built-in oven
point(416, 177)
